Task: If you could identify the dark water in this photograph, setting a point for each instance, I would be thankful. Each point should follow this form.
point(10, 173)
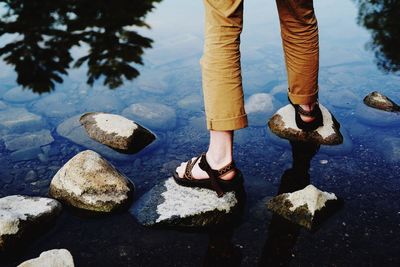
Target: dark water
point(356, 58)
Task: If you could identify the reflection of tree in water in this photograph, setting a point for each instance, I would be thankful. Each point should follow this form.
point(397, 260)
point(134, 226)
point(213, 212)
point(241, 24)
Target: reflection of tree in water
point(47, 30)
point(382, 19)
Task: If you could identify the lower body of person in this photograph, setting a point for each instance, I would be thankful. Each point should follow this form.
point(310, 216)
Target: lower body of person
point(222, 84)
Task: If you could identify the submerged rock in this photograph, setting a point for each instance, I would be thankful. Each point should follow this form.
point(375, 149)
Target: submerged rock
point(152, 115)
point(88, 181)
point(51, 258)
point(104, 101)
point(28, 140)
point(284, 125)
point(116, 132)
point(259, 107)
point(19, 95)
point(380, 101)
point(17, 120)
point(50, 106)
point(301, 206)
point(74, 131)
point(20, 216)
point(169, 204)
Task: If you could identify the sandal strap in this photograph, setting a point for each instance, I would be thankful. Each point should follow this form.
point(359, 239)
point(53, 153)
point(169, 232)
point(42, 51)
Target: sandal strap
point(189, 167)
point(214, 174)
point(311, 113)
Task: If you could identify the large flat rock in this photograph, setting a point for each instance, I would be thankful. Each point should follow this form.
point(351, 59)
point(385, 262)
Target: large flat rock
point(116, 131)
point(301, 206)
point(20, 216)
point(284, 125)
point(169, 204)
point(88, 181)
point(18, 120)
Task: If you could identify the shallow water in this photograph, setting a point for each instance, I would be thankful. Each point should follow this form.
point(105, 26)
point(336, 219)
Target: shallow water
point(364, 171)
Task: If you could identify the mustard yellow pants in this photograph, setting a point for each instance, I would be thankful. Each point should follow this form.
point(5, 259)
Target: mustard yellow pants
point(221, 72)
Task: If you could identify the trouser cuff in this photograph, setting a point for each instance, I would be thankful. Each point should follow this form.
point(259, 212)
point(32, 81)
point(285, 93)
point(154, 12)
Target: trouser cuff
point(230, 124)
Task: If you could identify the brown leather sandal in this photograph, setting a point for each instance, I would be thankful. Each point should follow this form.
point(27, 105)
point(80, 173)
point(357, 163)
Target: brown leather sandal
point(215, 183)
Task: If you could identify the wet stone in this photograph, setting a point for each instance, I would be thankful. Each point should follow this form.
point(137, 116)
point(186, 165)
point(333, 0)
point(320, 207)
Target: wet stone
point(152, 115)
point(88, 181)
point(26, 140)
point(74, 131)
point(116, 132)
point(302, 206)
point(382, 102)
point(21, 215)
point(51, 258)
point(30, 176)
point(169, 204)
point(25, 154)
point(284, 125)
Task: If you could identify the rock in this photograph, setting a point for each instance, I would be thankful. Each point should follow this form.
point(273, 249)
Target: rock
point(25, 154)
point(259, 107)
point(170, 204)
point(380, 101)
point(284, 125)
point(30, 176)
point(116, 132)
point(17, 120)
point(20, 95)
point(302, 206)
point(376, 117)
point(50, 106)
point(51, 258)
point(21, 215)
point(74, 131)
point(88, 181)
point(27, 140)
point(152, 115)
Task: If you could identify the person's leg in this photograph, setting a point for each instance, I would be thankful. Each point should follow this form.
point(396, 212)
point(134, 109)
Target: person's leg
point(222, 82)
point(299, 32)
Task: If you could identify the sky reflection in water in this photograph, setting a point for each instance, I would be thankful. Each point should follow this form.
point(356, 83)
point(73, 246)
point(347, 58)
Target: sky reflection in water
point(364, 171)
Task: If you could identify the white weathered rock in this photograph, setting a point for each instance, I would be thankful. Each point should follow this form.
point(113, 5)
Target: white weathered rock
point(74, 131)
point(28, 140)
point(173, 205)
point(17, 120)
point(116, 131)
point(380, 101)
point(88, 181)
point(283, 124)
point(21, 214)
point(152, 115)
point(301, 206)
point(51, 258)
point(19, 95)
